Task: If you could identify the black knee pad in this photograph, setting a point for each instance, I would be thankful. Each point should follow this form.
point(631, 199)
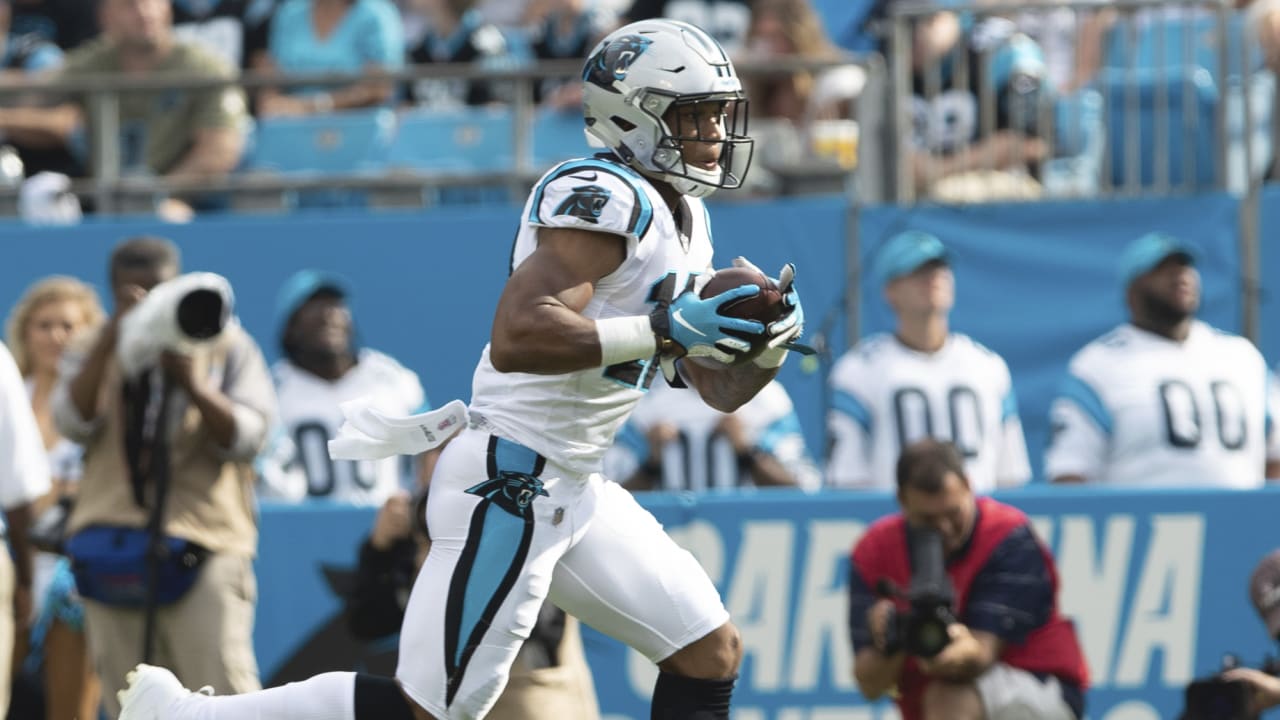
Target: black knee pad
point(676, 697)
point(379, 698)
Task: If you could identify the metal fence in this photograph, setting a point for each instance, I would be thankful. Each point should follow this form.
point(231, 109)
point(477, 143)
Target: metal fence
point(113, 191)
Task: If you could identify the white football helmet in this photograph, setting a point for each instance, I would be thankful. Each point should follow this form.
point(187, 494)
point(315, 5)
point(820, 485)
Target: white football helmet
point(638, 72)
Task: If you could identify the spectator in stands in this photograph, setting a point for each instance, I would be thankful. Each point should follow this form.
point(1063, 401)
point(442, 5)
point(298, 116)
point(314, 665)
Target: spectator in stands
point(549, 680)
point(24, 477)
point(220, 404)
point(66, 23)
point(339, 36)
point(321, 368)
point(952, 157)
point(803, 115)
point(674, 441)
point(49, 314)
point(457, 33)
point(175, 134)
point(563, 30)
point(728, 21)
point(793, 29)
point(27, 52)
point(1010, 653)
point(26, 56)
point(1164, 400)
point(234, 30)
point(922, 380)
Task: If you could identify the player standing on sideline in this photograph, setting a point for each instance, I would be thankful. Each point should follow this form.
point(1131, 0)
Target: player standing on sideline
point(601, 293)
point(923, 380)
point(1164, 399)
point(321, 367)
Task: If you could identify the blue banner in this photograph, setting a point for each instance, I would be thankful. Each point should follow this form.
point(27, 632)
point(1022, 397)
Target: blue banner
point(1036, 281)
point(1156, 583)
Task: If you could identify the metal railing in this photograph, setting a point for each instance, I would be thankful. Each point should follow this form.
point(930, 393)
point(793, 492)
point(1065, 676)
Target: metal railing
point(1151, 61)
point(111, 190)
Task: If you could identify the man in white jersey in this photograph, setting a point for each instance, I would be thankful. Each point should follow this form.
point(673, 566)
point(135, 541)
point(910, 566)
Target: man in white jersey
point(674, 441)
point(922, 380)
point(1163, 400)
point(601, 294)
point(320, 369)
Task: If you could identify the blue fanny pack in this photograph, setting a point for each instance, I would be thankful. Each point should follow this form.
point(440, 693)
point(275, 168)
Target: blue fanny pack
point(110, 565)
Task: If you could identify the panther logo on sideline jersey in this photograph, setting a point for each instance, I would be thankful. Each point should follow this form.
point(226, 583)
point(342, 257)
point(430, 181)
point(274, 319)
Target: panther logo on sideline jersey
point(586, 202)
point(611, 62)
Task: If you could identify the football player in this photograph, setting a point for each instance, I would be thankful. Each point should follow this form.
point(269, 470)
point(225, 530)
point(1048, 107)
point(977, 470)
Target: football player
point(674, 441)
point(920, 381)
point(601, 294)
point(321, 369)
point(1164, 400)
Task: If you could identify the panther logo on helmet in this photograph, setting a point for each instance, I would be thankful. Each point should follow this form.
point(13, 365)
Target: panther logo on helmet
point(611, 62)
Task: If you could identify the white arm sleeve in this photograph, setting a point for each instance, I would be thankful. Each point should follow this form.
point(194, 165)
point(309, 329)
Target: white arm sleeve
point(1077, 446)
point(1013, 466)
point(1273, 417)
point(849, 461)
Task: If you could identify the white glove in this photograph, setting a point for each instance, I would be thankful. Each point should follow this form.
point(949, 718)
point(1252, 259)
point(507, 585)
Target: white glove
point(46, 199)
point(367, 434)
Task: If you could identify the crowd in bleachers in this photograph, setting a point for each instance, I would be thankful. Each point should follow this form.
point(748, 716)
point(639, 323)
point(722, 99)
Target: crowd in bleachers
point(1048, 101)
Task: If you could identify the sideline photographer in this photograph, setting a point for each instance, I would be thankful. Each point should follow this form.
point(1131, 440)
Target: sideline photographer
point(163, 533)
point(1262, 686)
point(976, 634)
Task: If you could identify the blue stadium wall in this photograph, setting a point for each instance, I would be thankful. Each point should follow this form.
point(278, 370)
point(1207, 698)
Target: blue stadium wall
point(1035, 281)
point(1156, 581)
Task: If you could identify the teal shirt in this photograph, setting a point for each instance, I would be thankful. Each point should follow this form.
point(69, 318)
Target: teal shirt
point(369, 34)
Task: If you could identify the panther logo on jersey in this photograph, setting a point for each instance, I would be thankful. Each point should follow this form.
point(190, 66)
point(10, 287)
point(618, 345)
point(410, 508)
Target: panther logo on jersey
point(586, 202)
point(611, 62)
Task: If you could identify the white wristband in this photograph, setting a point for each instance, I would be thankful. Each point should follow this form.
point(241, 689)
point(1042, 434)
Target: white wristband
point(771, 358)
point(627, 338)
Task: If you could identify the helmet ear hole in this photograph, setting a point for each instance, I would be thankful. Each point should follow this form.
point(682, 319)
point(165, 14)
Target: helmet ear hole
point(622, 123)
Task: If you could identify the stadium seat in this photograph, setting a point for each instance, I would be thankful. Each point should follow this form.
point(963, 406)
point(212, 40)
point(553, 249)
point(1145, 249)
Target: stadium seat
point(471, 139)
point(353, 141)
point(1181, 40)
point(1188, 150)
point(1075, 170)
point(341, 142)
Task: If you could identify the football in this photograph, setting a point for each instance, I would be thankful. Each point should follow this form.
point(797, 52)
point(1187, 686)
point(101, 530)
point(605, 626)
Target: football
point(766, 307)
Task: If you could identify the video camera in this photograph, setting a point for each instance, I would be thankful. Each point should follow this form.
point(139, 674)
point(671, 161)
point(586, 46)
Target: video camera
point(178, 314)
point(922, 630)
point(1215, 698)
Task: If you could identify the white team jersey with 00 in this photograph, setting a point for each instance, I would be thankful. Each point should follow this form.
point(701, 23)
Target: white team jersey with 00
point(572, 418)
point(703, 458)
point(297, 463)
point(885, 396)
point(1137, 408)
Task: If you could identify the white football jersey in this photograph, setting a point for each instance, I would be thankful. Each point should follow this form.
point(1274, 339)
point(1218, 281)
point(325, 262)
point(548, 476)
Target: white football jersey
point(703, 458)
point(1137, 408)
point(884, 396)
point(572, 418)
point(297, 465)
